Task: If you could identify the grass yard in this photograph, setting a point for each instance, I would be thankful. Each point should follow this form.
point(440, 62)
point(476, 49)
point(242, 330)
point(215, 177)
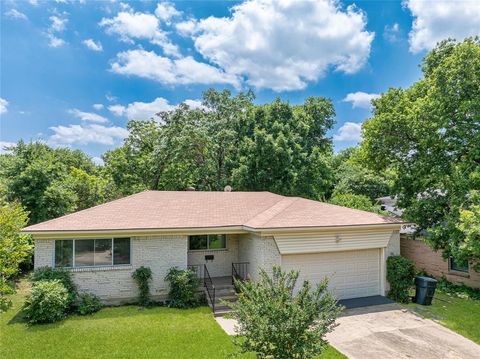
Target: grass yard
point(121, 332)
point(462, 315)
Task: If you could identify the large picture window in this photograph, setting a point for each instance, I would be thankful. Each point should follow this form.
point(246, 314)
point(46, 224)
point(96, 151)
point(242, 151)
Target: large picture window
point(92, 252)
point(207, 242)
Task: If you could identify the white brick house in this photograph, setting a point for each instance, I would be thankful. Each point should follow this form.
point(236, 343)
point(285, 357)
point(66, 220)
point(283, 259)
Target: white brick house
point(216, 231)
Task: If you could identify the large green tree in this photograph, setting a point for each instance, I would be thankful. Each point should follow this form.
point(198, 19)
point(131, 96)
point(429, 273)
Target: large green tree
point(50, 182)
point(429, 136)
point(285, 149)
point(229, 140)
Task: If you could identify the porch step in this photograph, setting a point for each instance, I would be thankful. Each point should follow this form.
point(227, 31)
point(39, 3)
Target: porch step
point(222, 312)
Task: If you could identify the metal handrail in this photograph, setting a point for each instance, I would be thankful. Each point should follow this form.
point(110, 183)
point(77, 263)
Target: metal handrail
point(239, 271)
point(209, 286)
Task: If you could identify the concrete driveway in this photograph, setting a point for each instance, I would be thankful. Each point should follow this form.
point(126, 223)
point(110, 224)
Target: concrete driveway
point(390, 331)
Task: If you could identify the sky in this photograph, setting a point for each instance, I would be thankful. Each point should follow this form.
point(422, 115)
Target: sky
point(72, 73)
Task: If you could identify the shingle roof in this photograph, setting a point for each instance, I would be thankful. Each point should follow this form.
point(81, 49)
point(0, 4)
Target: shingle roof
point(192, 209)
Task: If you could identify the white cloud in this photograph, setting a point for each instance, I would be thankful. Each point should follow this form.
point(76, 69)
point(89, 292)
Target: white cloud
point(165, 11)
point(437, 20)
point(98, 106)
point(87, 116)
point(92, 45)
point(83, 135)
point(55, 41)
point(130, 25)
point(361, 99)
point(110, 98)
point(3, 145)
point(3, 105)
point(186, 28)
point(350, 131)
point(283, 45)
point(15, 14)
point(117, 110)
point(33, 2)
point(185, 70)
point(58, 24)
point(391, 33)
point(145, 110)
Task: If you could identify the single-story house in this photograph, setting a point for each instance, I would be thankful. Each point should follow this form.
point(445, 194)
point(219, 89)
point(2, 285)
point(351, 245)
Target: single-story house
point(217, 234)
point(413, 246)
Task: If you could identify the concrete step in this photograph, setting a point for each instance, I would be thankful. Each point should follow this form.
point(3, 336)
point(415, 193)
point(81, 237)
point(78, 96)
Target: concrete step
point(222, 312)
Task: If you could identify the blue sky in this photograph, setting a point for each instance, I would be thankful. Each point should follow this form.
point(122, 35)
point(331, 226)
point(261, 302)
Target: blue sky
point(74, 72)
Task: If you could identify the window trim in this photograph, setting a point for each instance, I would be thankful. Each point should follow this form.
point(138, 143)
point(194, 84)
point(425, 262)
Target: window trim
point(92, 266)
point(208, 243)
point(458, 271)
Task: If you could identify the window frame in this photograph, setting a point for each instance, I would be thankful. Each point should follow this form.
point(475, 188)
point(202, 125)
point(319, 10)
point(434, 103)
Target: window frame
point(451, 261)
point(208, 243)
point(74, 266)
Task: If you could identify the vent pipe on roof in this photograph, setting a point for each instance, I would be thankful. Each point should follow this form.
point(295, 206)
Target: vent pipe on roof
point(227, 189)
point(190, 189)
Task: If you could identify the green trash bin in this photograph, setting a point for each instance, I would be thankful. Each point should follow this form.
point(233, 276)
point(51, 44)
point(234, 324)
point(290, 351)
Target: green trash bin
point(425, 289)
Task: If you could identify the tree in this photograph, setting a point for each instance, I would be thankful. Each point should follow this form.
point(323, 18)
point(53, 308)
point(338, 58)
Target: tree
point(14, 247)
point(353, 177)
point(285, 150)
point(356, 201)
point(276, 147)
point(429, 135)
point(46, 180)
point(278, 319)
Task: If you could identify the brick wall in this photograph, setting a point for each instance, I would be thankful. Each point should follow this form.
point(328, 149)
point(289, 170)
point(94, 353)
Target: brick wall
point(259, 252)
point(114, 285)
point(433, 263)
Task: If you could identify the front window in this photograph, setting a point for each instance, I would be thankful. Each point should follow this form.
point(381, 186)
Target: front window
point(207, 242)
point(92, 252)
point(458, 265)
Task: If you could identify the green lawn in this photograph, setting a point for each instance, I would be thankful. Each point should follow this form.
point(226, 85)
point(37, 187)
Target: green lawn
point(121, 332)
point(462, 315)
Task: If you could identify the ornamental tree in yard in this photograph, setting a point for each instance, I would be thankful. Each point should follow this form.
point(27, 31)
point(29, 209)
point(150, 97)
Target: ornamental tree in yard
point(428, 135)
point(277, 319)
point(14, 247)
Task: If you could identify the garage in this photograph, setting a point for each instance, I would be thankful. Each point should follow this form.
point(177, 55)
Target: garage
point(352, 274)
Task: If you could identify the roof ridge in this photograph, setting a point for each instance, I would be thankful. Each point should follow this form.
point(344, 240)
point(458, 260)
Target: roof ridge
point(274, 211)
point(88, 209)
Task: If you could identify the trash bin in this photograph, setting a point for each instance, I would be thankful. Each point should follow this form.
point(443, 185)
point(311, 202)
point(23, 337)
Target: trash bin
point(425, 289)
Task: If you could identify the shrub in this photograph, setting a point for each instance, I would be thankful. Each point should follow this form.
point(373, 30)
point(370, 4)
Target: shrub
point(183, 288)
point(47, 303)
point(60, 274)
point(458, 290)
point(274, 321)
point(142, 276)
point(400, 275)
point(88, 304)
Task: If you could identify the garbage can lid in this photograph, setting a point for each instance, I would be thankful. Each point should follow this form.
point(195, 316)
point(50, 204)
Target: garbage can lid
point(427, 279)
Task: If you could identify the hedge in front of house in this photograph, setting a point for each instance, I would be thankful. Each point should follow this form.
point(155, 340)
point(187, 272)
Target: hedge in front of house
point(183, 288)
point(60, 274)
point(47, 302)
point(400, 275)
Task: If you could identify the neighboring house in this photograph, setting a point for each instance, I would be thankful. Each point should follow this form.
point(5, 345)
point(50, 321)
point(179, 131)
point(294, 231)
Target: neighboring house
point(413, 246)
point(218, 233)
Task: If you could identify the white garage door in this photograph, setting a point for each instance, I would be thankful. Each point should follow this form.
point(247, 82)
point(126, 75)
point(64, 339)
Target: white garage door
point(352, 274)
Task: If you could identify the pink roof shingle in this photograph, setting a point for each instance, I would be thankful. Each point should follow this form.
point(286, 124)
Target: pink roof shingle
point(191, 209)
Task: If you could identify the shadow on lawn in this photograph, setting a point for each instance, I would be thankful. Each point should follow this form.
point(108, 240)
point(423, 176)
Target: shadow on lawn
point(125, 311)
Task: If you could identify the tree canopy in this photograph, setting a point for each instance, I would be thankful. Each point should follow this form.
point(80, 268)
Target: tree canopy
point(429, 136)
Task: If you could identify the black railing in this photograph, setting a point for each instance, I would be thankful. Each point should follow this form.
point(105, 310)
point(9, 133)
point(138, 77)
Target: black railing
point(239, 271)
point(196, 268)
point(208, 283)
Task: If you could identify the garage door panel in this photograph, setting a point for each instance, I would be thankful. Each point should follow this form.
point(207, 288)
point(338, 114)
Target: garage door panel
point(351, 273)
